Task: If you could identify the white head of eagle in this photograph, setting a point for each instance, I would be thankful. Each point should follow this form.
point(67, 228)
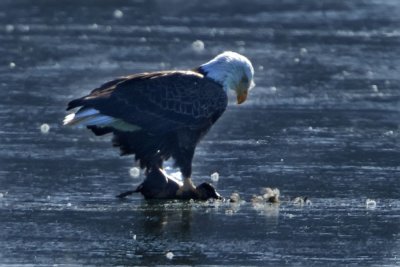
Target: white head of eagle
point(164, 114)
point(233, 71)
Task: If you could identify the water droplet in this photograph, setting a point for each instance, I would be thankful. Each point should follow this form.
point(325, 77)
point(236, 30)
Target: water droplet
point(198, 46)
point(44, 128)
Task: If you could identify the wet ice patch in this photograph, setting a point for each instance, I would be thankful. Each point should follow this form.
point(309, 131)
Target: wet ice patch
point(44, 128)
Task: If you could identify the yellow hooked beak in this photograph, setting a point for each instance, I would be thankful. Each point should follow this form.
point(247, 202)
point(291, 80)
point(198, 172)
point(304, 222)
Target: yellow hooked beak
point(241, 97)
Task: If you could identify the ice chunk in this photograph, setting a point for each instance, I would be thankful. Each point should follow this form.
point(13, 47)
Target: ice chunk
point(12, 65)
point(118, 14)
point(374, 88)
point(169, 255)
point(303, 51)
point(198, 46)
point(44, 128)
point(9, 28)
point(271, 195)
point(301, 201)
point(235, 198)
point(370, 203)
point(215, 177)
point(134, 172)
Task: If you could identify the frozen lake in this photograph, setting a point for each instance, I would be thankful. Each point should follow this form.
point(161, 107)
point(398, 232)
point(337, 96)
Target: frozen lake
point(322, 122)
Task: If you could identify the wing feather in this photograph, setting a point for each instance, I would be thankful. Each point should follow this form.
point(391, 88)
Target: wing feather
point(159, 102)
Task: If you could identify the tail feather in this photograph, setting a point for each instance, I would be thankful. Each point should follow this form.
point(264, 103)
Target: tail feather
point(87, 117)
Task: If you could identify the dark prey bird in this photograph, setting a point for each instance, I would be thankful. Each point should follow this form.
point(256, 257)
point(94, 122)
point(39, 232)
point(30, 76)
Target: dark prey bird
point(163, 114)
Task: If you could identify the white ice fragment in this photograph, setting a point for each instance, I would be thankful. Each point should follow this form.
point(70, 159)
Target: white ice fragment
point(45, 128)
point(169, 255)
point(198, 46)
point(271, 195)
point(48, 197)
point(134, 237)
point(69, 204)
point(296, 60)
point(94, 26)
point(282, 160)
point(370, 203)
point(290, 216)
point(261, 67)
point(24, 28)
point(215, 177)
point(134, 172)
point(389, 133)
point(12, 65)
point(374, 88)
point(142, 39)
point(9, 28)
point(1, 195)
point(273, 89)
point(303, 51)
point(118, 14)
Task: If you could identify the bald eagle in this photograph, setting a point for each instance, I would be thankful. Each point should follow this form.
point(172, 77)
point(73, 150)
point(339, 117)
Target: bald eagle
point(163, 114)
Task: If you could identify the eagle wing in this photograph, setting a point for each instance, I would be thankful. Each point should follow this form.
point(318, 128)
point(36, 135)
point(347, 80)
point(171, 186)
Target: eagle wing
point(157, 102)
